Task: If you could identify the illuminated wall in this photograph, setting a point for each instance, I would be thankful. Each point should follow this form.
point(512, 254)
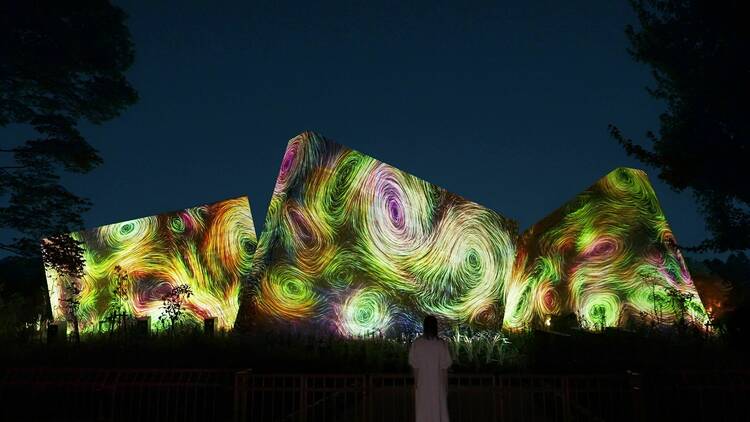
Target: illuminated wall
point(355, 246)
point(210, 248)
point(607, 256)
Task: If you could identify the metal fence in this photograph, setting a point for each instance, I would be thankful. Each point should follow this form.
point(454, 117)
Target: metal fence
point(714, 396)
point(76, 394)
point(523, 397)
point(223, 395)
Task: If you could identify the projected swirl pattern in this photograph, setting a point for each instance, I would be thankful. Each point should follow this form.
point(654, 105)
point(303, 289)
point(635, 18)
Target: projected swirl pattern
point(355, 246)
point(607, 256)
point(210, 248)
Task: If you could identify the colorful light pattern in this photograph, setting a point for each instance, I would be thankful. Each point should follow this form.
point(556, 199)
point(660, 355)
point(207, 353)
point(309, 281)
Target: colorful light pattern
point(607, 256)
point(358, 247)
point(210, 248)
point(354, 246)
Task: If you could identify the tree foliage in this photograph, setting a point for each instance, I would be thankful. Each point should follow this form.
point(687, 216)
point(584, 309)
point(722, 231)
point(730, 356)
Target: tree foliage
point(61, 62)
point(736, 320)
point(697, 51)
point(24, 291)
point(64, 254)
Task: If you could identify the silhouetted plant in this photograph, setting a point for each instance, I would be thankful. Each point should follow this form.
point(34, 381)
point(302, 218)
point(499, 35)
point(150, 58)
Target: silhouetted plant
point(120, 291)
point(172, 305)
point(657, 301)
point(680, 304)
point(479, 349)
point(118, 315)
point(599, 315)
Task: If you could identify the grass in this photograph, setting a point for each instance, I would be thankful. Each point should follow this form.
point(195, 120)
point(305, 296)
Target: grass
point(265, 349)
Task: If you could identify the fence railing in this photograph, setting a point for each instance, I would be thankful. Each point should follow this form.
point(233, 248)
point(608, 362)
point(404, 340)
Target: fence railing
point(526, 397)
point(223, 395)
point(714, 395)
point(75, 394)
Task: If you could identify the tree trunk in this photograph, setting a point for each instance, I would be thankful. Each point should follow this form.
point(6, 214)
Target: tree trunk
point(76, 332)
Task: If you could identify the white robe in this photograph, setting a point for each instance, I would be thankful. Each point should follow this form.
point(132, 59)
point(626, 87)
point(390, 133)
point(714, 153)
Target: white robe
point(431, 359)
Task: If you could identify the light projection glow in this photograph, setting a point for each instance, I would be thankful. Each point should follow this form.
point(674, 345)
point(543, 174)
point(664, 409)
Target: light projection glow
point(210, 248)
point(355, 246)
point(607, 256)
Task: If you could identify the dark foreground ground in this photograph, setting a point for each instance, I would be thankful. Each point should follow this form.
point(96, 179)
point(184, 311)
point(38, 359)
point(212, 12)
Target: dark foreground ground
point(266, 376)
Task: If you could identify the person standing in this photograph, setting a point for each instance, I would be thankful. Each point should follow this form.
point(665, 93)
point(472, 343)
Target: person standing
point(430, 359)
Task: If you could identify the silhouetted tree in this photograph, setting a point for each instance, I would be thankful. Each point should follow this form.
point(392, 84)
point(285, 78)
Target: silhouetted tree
point(64, 255)
point(24, 291)
point(735, 269)
point(736, 320)
point(697, 50)
point(60, 62)
point(11, 306)
point(71, 302)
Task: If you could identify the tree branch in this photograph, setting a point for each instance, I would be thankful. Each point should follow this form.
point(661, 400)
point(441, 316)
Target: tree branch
point(9, 249)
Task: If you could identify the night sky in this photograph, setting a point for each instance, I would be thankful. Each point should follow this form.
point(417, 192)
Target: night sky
point(506, 105)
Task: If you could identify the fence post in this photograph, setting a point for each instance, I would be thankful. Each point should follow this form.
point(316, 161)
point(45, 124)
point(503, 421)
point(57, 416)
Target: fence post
point(303, 398)
point(366, 394)
point(236, 401)
point(113, 403)
point(566, 397)
point(241, 381)
point(114, 385)
point(494, 397)
point(635, 385)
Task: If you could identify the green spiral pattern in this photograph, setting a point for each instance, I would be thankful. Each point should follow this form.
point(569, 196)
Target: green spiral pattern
point(374, 249)
point(288, 293)
point(365, 312)
point(210, 248)
point(356, 246)
point(607, 256)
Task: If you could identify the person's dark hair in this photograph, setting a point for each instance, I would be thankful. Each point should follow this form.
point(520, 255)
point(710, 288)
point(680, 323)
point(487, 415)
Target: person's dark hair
point(430, 327)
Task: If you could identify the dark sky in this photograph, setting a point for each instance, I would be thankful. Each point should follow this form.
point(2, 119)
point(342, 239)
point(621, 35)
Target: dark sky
point(504, 103)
